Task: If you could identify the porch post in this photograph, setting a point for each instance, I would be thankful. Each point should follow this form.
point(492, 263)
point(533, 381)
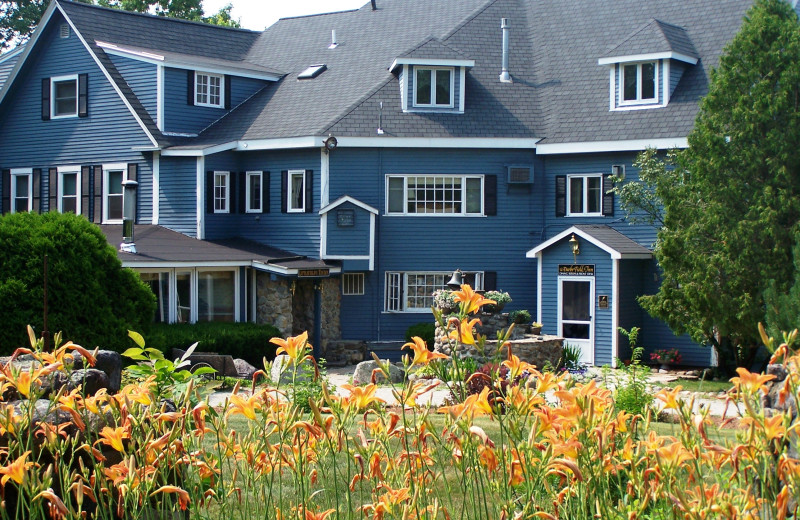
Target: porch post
point(317, 319)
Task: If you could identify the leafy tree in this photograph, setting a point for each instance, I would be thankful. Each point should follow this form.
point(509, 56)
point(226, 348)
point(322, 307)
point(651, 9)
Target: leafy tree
point(18, 19)
point(731, 201)
point(223, 18)
point(91, 298)
point(185, 9)
point(783, 307)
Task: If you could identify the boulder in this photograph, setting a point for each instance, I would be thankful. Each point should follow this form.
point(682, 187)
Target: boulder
point(245, 369)
point(363, 373)
point(779, 371)
point(283, 373)
point(110, 362)
point(90, 380)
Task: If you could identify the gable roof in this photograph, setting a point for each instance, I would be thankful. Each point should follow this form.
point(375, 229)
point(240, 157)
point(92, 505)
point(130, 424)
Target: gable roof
point(609, 240)
point(433, 51)
point(659, 38)
point(7, 62)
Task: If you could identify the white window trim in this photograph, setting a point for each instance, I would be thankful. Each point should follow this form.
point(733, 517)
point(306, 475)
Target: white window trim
point(15, 174)
point(359, 284)
point(221, 77)
point(106, 169)
point(289, 202)
point(584, 176)
point(196, 290)
point(194, 279)
point(405, 212)
point(639, 100)
point(61, 79)
point(227, 176)
point(403, 279)
point(62, 170)
point(260, 175)
point(433, 103)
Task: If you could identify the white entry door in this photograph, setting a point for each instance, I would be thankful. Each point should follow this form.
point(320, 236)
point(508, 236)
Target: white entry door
point(575, 314)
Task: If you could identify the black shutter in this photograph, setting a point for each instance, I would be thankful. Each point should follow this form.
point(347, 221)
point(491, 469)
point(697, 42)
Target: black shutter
point(85, 195)
point(98, 194)
point(45, 99)
point(190, 87)
point(561, 195)
point(242, 195)
point(227, 92)
point(133, 175)
point(490, 280)
point(5, 206)
point(608, 196)
point(232, 192)
point(309, 191)
point(490, 195)
point(52, 189)
point(209, 191)
point(83, 95)
point(284, 191)
point(265, 192)
point(37, 190)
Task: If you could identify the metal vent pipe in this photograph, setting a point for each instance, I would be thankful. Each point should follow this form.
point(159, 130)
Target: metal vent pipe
point(505, 77)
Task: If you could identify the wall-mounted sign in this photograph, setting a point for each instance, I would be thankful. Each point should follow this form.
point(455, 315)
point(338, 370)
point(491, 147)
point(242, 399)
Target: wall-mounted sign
point(602, 301)
point(576, 269)
point(345, 218)
point(313, 273)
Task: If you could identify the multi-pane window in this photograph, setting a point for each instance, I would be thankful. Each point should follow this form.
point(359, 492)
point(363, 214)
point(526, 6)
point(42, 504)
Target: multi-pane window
point(64, 96)
point(297, 191)
point(253, 192)
point(434, 87)
point(413, 291)
point(69, 196)
point(352, 284)
point(113, 175)
point(159, 284)
point(585, 194)
point(434, 195)
point(639, 82)
point(216, 291)
point(21, 191)
point(221, 192)
point(208, 89)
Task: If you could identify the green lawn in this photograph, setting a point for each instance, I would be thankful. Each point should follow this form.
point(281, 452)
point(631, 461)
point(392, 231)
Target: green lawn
point(698, 385)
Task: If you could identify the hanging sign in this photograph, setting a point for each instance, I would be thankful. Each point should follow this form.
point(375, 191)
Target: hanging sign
point(313, 273)
point(576, 269)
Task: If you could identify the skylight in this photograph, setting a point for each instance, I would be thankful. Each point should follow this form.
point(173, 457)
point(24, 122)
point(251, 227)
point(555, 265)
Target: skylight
point(312, 71)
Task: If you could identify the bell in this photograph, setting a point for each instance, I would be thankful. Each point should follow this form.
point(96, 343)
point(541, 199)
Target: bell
point(456, 280)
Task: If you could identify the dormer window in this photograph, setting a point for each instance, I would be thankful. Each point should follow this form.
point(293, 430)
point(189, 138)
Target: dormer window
point(209, 90)
point(639, 83)
point(433, 87)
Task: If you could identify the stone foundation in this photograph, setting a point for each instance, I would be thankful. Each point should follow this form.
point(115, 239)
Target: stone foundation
point(274, 302)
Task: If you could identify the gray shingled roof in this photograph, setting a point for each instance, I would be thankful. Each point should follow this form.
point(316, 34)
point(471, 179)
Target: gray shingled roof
point(655, 37)
point(433, 48)
point(7, 63)
point(614, 239)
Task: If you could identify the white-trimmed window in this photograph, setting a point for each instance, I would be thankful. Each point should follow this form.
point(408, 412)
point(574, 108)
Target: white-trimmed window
point(434, 195)
point(584, 195)
point(113, 176)
point(434, 87)
point(222, 192)
point(413, 291)
point(352, 284)
point(638, 83)
point(69, 189)
point(216, 295)
point(209, 90)
point(21, 190)
point(253, 192)
point(64, 96)
point(297, 191)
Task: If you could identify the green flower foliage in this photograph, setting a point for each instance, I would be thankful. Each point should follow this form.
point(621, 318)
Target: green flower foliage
point(91, 298)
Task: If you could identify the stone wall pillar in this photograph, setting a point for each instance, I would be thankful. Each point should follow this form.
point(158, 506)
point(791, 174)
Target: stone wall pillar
point(331, 306)
point(274, 302)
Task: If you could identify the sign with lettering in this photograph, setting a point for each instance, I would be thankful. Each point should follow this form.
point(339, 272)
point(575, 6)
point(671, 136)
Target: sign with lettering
point(576, 269)
point(313, 273)
point(602, 301)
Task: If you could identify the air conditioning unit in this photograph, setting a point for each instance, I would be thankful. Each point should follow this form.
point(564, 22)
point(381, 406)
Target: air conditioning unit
point(520, 174)
point(618, 170)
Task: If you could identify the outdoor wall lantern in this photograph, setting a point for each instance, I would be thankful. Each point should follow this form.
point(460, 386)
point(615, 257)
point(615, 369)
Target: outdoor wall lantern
point(456, 280)
point(128, 215)
point(576, 248)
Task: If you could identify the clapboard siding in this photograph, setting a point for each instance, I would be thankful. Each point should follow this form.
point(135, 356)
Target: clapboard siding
point(178, 194)
point(180, 116)
point(28, 141)
point(360, 315)
point(142, 78)
point(348, 241)
point(676, 69)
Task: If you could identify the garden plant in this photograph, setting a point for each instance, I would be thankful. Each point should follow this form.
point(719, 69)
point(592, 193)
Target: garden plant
point(541, 446)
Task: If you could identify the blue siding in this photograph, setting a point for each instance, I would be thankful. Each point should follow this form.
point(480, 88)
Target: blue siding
point(348, 240)
point(142, 78)
point(349, 266)
point(676, 69)
point(561, 253)
point(439, 243)
point(456, 91)
point(178, 194)
point(180, 116)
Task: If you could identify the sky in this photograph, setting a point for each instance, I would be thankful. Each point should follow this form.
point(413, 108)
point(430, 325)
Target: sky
point(258, 14)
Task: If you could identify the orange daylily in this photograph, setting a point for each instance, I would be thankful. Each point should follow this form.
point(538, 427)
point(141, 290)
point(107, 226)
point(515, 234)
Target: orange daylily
point(183, 495)
point(463, 333)
point(245, 406)
point(57, 508)
point(515, 366)
point(310, 515)
point(422, 356)
point(750, 382)
point(470, 300)
point(16, 470)
point(293, 346)
point(114, 436)
point(473, 406)
point(362, 396)
point(670, 397)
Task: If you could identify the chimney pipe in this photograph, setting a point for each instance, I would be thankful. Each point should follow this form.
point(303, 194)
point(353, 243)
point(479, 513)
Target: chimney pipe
point(334, 43)
point(505, 77)
point(374, 5)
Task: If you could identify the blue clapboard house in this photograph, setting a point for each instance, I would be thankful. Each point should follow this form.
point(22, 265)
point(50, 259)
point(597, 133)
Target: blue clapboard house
point(331, 172)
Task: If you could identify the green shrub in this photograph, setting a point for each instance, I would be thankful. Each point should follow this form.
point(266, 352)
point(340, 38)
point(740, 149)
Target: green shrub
point(631, 393)
point(520, 317)
point(425, 330)
point(91, 298)
point(247, 341)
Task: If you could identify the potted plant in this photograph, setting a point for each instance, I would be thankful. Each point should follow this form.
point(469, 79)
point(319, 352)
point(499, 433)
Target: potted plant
point(666, 357)
point(536, 328)
point(445, 301)
point(520, 317)
point(500, 298)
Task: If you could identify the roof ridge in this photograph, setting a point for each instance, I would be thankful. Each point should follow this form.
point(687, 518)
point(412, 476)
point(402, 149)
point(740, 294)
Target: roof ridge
point(634, 33)
point(154, 16)
point(474, 14)
point(318, 14)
